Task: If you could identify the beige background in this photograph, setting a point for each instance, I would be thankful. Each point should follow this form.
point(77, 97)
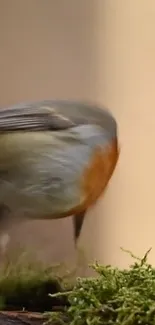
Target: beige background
point(100, 50)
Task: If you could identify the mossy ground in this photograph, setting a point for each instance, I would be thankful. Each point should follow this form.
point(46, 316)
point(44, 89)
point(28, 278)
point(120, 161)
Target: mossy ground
point(122, 297)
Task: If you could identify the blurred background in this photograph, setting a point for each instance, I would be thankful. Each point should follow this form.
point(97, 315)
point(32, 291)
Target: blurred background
point(100, 50)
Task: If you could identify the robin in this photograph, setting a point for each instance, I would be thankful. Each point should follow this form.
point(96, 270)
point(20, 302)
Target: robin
point(56, 159)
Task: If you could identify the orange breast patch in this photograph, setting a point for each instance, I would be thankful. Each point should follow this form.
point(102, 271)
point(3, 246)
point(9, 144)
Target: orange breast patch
point(96, 177)
point(99, 172)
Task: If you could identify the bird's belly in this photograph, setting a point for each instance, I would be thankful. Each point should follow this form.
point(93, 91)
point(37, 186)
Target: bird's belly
point(77, 179)
point(94, 179)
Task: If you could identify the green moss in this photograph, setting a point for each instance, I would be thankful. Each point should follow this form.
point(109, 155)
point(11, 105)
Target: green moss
point(122, 297)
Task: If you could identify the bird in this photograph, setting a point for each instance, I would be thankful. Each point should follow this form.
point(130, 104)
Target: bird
point(56, 160)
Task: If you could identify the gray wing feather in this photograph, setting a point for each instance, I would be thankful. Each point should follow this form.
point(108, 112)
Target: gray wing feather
point(32, 118)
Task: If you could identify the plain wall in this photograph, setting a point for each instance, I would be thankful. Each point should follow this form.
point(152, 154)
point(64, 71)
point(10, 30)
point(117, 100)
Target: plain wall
point(100, 50)
point(126, 84)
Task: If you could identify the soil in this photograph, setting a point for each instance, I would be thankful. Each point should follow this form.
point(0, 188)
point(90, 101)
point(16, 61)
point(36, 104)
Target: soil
point(21, 318)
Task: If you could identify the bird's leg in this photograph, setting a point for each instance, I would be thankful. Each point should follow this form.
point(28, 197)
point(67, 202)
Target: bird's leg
point(4, 233)
point(78, 220)
point(4, 241)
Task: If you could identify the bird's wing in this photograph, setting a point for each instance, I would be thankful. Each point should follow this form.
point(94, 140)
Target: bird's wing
point(32, 118)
